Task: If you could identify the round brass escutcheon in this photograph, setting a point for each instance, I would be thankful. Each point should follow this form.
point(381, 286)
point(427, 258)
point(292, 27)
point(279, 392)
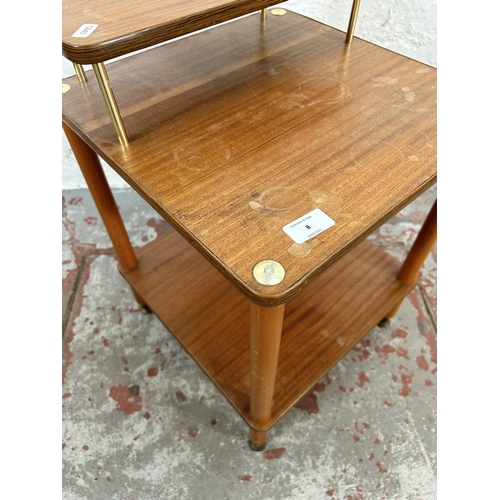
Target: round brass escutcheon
point(278, 12)
point(268, 272)
point(65, 88)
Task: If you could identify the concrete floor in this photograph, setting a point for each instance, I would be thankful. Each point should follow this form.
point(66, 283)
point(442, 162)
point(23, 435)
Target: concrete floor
point(141, 421)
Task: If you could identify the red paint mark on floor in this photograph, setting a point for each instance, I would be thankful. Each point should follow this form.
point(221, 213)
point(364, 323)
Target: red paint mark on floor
point(342, 388)
point(380, 468)
point(125, 401)
point(365, 354)
point(377, 441)
point(213, 422)
point(147, 415)
point(365, 425)
point(66, 395)
point(274, 453)
point(76, 201)
point(181, 397)
point(394, 378)
point(431, 342)
point(91, 221)
point(105, 342)
point(321, 386)
point(361, 348)
point(399, 334)
point(109, 479)
point(244, 477)
point(422, 362)
point(125, 360)
point(390, 405)
point(158, 351)
point(428, 383)
point(402, 353)
point(356, 438)
point(362, 378)
point(160, 226)
point(384, 352)
point(207, 398)
point(193, 431)
point(406, 379)
point(421, 317)
point(308, 402)
point(85, 447)
point(329, 493)
point(371, 457)
point(152, 372)
point(101, 385)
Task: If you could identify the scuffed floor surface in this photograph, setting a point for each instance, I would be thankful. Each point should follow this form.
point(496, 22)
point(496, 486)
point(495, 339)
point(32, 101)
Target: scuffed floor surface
point(142, 422)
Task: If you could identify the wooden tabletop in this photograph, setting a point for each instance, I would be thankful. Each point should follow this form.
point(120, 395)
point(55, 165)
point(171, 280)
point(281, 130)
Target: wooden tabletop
point(128, 25)
point(237, 131)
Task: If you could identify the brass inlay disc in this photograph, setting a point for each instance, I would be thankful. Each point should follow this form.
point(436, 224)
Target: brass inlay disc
point(278, 12)
point(65, 88)
point(268, 272)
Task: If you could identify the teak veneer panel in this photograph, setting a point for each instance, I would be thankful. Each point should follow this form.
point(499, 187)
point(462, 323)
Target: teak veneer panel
point(211, 319)
point(128, 25)
point(236, 131)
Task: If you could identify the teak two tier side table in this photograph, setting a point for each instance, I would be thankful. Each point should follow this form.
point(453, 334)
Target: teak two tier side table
point(274, 149)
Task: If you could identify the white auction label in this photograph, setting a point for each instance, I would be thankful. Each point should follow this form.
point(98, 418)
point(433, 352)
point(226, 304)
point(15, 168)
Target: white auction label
point(308, 226)
point(84, 31)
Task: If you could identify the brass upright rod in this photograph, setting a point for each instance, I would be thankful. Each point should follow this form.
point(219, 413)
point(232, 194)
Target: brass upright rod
point(109, 99)
point(80, 73)
point(352, 21)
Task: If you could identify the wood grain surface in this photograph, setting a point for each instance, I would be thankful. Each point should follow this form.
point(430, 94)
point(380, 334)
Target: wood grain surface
point(211, 319)
point(237, 131)
point(128, 25)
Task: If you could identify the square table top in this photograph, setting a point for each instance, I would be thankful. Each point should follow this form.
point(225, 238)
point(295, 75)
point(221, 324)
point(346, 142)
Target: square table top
point(237, 131)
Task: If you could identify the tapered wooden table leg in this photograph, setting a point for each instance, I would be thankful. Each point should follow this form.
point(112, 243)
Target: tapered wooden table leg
point(418, 252)
point(266, 324)
point(103, 198)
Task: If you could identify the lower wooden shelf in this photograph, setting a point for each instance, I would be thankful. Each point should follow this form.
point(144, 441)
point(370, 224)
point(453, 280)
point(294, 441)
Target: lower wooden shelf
point(211, 319)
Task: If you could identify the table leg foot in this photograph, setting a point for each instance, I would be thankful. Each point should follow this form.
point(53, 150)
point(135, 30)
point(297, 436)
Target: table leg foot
point(145, 309)
point(257, 440)
point(384, 323)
